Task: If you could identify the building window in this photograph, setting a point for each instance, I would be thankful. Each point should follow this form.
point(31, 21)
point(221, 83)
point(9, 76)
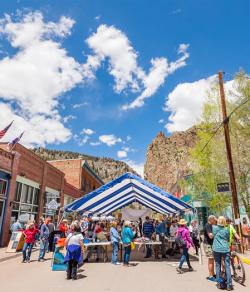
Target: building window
point(83, 184)
point(26, 201)
point(3, 187)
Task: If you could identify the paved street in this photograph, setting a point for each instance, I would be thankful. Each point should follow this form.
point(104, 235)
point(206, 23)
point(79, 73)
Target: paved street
point(98, 277)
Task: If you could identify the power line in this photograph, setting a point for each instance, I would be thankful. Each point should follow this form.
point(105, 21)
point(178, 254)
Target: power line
point(224, 121)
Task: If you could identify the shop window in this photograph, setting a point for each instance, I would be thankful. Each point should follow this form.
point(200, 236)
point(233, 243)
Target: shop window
point(3, 187)
point(18, 192)
point(26, 201)
point(24, 195)
point(36, 197)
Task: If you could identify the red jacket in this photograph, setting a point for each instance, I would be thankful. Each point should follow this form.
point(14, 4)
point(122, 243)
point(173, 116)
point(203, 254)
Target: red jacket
point(30, 235)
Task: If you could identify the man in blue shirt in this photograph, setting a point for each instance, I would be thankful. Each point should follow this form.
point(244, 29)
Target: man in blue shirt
point(162, 231)
point(44, 238)
point(148, 230)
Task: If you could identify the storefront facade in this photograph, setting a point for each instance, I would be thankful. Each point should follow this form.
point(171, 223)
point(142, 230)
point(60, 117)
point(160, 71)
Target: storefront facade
point(29, 185)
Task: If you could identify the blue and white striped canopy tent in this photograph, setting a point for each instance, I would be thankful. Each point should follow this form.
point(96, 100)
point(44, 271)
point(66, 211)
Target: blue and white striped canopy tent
point(125, 190)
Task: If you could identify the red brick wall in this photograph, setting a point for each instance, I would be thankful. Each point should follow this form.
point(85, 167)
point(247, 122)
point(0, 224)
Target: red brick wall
point(5, 160)
point(75, 174)
point(72, 170)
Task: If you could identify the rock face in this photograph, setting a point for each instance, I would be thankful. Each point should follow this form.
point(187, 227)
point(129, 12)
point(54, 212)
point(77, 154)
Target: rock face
point(168, 159)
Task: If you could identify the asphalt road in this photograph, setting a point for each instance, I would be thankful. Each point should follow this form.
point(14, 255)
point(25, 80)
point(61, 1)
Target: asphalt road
point(100, 277)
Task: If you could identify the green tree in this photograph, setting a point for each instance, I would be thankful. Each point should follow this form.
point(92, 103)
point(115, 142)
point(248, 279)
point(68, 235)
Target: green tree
point(208, 157)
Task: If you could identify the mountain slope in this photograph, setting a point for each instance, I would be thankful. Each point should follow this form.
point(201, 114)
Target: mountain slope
point(107, 168)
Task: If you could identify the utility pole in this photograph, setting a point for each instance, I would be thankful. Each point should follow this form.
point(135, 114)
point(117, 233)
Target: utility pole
point(229, 155)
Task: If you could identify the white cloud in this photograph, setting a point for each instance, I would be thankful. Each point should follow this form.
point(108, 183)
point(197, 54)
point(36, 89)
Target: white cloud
point(161, 121)
point(66, 119)
point(128, 138)
point(33, 79)
point(185, 103)
point(109, 140)
point(159, 71)
point(87, 131)
point(138, 167)
point(78, 105)
point(38, 128)
point(81, 141)
point(122, 154)
point(111, 43)
point(95, 143)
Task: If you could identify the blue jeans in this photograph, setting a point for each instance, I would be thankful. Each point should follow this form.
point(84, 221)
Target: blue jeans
point(218, 256)
point(43, 248)
point(184, 257)
point(27, 246)
point(127, 251)
point(115, 249)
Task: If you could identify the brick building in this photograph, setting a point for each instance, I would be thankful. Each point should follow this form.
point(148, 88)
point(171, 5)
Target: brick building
point(28, 184)
point(79, 174)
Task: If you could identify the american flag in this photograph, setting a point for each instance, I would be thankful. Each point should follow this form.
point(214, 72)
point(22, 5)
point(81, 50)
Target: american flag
point(4, 131)
point(15, 141)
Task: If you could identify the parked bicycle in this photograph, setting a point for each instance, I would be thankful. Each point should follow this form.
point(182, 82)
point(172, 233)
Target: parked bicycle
point(238, 270)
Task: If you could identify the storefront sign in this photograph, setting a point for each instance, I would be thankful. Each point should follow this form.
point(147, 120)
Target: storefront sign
point(52, 205)
point(16, 241)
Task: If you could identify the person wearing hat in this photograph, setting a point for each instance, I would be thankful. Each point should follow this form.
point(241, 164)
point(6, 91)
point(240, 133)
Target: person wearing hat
point(63, 228)
point(127, 238)
point(221, 249)
point(184, 235)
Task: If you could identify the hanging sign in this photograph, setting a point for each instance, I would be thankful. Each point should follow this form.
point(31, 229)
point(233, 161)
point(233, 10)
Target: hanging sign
point(52, 205)
point(223, 187)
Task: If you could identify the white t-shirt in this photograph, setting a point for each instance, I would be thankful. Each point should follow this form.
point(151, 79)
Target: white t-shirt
point(74, 239)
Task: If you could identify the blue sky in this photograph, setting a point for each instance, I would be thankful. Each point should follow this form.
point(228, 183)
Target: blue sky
point(71, 103)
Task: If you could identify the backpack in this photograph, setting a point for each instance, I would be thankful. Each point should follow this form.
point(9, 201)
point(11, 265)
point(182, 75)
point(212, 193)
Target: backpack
point(179, 241)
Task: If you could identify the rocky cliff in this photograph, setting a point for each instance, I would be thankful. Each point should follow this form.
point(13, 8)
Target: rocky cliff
point(168, 158)
point(106, 168)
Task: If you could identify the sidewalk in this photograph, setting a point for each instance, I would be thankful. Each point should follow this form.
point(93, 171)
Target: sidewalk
point(5, 256)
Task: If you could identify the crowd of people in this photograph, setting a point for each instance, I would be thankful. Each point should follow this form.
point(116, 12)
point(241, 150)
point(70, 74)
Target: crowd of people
point(219, 235)
point(218, 239)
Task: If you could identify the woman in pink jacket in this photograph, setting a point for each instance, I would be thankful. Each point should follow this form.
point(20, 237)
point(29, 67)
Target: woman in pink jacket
point(185, 242)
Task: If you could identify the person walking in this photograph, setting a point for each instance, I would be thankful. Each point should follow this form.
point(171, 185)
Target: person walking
point(51, 227)
point(115, 238)
point(30, 237)
point(44, 239)
point(221, 250)
point(245, 233)
point(127, 238)
point(208, 242)
point(194, 232)
point(148, 230)
point(74, 255)
point(186, 242)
